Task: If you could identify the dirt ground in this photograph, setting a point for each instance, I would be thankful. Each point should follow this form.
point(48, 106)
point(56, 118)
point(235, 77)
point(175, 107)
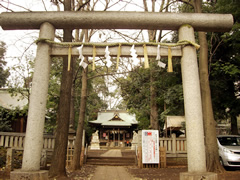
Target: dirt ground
point(174, 167)
point(173, 173)
point(169, 173)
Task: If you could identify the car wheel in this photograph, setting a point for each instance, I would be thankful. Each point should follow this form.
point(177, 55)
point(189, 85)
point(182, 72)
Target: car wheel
point(221, 162)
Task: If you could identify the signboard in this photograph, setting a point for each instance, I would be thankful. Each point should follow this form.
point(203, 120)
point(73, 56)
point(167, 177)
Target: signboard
point(150, 147)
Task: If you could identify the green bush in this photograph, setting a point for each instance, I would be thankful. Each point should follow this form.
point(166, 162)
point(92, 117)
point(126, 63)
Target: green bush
point(3, 153)
point(17, 161)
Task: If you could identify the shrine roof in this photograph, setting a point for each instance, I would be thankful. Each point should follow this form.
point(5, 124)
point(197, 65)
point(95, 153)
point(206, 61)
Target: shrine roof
point(174, 122)
point(115, 118)
point(11, 102)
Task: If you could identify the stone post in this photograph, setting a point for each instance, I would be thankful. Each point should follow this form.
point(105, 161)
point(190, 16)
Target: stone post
point(193, 109)
point(38, 99)
point(9, 160)
point(192, 103)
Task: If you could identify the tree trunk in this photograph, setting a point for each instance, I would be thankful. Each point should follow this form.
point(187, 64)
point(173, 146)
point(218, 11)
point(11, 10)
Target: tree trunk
point(233, 114)
point(83, 102)
point(60, 150)
point(154, 124)
point(154, 108)
point(212, 156)
point(234, 126)
point(72, 110)
point(78, 141)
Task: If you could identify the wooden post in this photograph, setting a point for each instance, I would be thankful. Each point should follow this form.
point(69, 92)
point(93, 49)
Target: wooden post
point(118, 138)
point(22, 124)
point(174, 143)
point(82, 157)
point(162, 156)
point(124, 133)
point(140, 165)
point(113, 137)
point(108, 140)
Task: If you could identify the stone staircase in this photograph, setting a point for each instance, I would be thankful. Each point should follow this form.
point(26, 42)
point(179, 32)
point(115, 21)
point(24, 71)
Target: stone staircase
point(111, 158)
point(111, 161)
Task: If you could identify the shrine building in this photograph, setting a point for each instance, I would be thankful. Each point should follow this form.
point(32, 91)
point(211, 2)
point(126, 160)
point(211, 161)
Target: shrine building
point(115, 127)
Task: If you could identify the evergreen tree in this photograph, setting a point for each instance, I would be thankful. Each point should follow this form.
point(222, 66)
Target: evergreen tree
point(3, 73)
point(225, 73)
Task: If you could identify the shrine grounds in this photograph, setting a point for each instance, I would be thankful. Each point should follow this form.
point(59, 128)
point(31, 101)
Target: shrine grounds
point(172, 172)
point(174, 167)
point(169, 173)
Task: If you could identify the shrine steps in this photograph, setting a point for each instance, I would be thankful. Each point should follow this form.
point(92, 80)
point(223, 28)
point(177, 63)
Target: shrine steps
point(111, 161)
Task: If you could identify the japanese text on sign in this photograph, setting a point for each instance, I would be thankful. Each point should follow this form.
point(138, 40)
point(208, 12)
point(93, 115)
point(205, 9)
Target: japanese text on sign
point(150, 147)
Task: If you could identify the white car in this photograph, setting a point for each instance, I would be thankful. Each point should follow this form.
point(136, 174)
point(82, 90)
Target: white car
point(229, 150)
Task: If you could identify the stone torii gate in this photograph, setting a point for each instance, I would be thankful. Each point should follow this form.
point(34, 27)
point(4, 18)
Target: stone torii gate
point(47, 22)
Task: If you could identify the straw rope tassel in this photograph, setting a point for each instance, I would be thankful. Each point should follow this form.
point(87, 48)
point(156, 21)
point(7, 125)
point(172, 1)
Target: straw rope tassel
point(146, 64)
point(170, 67)
point(118, 55)
point(69, 57)
point(94, 55)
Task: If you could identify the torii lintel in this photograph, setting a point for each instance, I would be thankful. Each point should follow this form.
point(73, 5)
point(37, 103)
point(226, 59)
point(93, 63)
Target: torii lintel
point(116, 20)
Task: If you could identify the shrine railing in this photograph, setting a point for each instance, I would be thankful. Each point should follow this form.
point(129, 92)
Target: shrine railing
point(175, 147)
point(16, 140)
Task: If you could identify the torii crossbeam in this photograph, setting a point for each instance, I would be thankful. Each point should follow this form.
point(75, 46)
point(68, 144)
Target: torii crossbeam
point(116, 20)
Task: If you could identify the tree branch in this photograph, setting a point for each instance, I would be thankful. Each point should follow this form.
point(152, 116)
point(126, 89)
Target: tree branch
point(108, 74)
point(82, 5)
point(13, 5)
point(189, 2)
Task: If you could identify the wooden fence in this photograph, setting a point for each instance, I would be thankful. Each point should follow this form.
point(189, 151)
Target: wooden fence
point(15, 141)
point(175, 147)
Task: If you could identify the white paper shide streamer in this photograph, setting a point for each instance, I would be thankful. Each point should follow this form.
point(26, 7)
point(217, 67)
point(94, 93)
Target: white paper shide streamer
point(108, 57)
point(133, 53)
point(81, 57)
point(158, 58)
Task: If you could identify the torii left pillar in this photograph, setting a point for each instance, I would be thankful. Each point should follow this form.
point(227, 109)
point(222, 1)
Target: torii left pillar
point(37, 109)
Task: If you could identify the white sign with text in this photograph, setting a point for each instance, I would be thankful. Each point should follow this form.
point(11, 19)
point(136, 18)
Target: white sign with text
point(150, 147)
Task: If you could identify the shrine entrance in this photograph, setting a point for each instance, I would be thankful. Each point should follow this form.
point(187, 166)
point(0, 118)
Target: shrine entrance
point(185, 23)
point(115, 128)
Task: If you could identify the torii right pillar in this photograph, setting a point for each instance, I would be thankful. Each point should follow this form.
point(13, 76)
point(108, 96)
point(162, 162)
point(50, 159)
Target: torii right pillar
point(193, 110)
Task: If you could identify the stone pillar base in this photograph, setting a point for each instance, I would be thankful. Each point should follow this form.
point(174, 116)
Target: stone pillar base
point(28, 175)
point(198, 176)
